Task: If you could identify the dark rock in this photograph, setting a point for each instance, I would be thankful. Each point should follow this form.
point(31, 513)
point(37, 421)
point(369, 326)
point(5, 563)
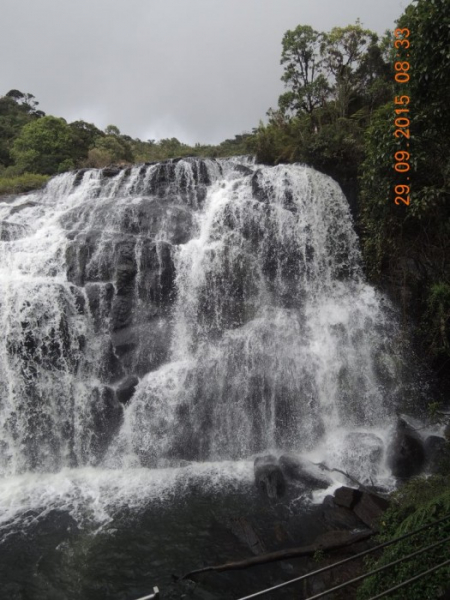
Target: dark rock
point(304, 472)
point(100, 297)
point(346, 497)
point(121, 314)
point(125, 276)
point(111, 171)
point(269, 478)
point(339, 517)
point(369, 508)
point(142, 347)
point(245, 532)
point(436, 448)
point(406, 454)
point(20, 207)
point(11, 231)
point(107, 416)
point(126, 389)
point(258, 189)
point(79, 177)
point(447, 433)
point(80, 300)
point(243, 169)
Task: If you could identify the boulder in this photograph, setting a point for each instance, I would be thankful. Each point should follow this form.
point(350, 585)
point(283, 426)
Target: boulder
point(369, 508)
point(346, 497)
point(436, 448)
point(79, 177)
point(406, 454)
point(362, 455)
point(126, 388)
point(339, 517)
point(107, 416)
point(111, 171)
point(304, 472)
point(269, 477)
point(447, 432)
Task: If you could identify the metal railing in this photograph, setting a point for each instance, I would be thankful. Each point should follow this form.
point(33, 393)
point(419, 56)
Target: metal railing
point(155, 594)
point(370, 573)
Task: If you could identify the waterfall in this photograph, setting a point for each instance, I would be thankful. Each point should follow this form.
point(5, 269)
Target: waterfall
point(190, 310)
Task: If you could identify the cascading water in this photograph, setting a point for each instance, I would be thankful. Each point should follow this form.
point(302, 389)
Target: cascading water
point(232, 291)
point(165, 323)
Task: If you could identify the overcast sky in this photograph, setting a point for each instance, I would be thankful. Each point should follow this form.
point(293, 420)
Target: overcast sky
point(198, 70)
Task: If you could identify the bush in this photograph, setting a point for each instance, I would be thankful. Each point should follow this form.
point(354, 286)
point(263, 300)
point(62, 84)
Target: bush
point(22, 183)
point(417, 503)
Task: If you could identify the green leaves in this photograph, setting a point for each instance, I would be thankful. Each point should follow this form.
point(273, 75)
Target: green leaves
point(43, 145)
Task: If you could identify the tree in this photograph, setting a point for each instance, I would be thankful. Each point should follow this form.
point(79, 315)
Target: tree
point(44, 146)
point(345, 56)
point(84, 136)
point(303, 72)
point(112, 130)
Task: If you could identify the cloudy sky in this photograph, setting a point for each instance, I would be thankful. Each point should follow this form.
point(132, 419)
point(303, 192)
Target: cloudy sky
point(198, 70)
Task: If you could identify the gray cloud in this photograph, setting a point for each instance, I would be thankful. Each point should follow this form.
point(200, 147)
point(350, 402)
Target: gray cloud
point(199, 70)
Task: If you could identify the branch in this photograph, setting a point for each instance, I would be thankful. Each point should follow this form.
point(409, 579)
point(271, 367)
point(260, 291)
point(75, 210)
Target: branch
point(324, 467)
point(285, 554)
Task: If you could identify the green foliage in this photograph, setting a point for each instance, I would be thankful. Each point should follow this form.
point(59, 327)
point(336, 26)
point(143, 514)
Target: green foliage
point(22, 183)
point(44, 146)
point(418, 232)
point(54, 146)
point(84, 136)
point(417, 503)
point(348, 55)
point(16, 110)
point(437, 319)
point(304, 74)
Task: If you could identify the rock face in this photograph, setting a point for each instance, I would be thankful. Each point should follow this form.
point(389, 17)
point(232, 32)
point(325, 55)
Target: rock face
point(269, 477)
point(304, 472)
point(362, 455)
point(436, 450)
point(406, 454)
point(350, 506)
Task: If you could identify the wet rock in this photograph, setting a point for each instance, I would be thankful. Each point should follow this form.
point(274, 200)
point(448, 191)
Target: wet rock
point(121, 314)
point(447, 433)
point(269, 477)
point(107, 416)
point(126, 389)
point(20, 207)
point(11, 231)
point(369, 508)
point(79, 177)
point(100, 297)
point(245, 532)
point(346, 497)
point(125, 276)
point(406, 454)
point(304, 472)
point(142, 347)
point(339, 517)
point(436, 449)
point(243, 169)
point(362, 455)
point(111, 171)
point(259, 190)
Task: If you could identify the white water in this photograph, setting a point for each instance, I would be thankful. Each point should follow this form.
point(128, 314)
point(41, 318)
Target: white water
point(277, 341)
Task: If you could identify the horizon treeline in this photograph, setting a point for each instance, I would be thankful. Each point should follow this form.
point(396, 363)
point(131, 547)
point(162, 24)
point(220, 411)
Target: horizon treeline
point(32, 142)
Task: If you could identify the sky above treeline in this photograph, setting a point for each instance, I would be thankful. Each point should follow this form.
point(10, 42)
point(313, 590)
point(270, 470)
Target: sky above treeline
point(198, 70)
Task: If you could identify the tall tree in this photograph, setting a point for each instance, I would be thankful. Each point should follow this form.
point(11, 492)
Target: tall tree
point(44, 146)
point(303, 72)
point(345, 56)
